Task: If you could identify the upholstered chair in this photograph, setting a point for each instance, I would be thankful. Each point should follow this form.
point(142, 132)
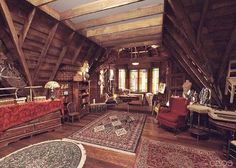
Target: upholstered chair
point(176, 115)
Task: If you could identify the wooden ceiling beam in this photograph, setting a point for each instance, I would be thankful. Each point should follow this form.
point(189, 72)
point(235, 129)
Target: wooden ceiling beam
point(194, 69)
point(40, 2)
point(202, 19)
point(129, 34)
point(137, 13)
point(26, 27)
point(51, 12)
point(188, 31)
point(44, 50)
point(93, 7)
point(61, 56)
point(156, 21)
point(7, 15)
point(137, 44)
point(131, 40)
point(226, 56)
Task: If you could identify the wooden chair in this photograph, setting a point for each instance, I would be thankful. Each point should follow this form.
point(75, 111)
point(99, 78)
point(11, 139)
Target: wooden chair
point(231, 80)
point(72, 112)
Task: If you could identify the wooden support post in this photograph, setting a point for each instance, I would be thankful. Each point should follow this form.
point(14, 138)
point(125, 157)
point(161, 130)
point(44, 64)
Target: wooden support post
point(7, 15)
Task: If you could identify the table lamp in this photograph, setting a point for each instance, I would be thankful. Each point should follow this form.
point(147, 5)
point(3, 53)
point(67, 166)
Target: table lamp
point(52, 85)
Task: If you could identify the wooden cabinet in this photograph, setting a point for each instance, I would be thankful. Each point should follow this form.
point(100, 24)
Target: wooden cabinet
point(81, 96)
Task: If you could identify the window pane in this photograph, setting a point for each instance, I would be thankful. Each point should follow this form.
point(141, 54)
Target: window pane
point(155, 80)
point(143, 80)
point(121, 79)
point(134, 80)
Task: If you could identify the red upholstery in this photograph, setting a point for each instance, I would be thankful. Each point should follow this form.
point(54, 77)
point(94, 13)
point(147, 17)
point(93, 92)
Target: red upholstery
point(175, 116)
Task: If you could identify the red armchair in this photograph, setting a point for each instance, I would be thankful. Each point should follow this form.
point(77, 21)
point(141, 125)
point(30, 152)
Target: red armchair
point(176, 115)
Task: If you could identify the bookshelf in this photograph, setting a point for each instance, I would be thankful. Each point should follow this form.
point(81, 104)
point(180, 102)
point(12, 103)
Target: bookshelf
point(81, 96)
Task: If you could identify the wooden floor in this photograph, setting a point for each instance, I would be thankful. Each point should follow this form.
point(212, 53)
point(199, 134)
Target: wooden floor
point(99, 158)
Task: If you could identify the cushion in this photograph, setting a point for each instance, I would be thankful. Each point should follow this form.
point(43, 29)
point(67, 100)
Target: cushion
point(172, 117)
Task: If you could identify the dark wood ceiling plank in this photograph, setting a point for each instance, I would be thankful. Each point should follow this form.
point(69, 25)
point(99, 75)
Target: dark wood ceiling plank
point(26, 27)
point(7, 15)
point(93, 7)
point(187, 29)
point(137, 13)
point(226, 55)
point(77, 53)
point(61, 56)
point(44, 50)
point(202, 19)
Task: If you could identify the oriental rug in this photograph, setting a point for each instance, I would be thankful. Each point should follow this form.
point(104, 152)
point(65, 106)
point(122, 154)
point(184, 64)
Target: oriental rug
point(117, 131)
point(155, 154)
point(48, 154)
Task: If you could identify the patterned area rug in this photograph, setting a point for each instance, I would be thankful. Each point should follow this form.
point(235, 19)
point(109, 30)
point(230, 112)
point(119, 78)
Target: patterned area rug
point(48, 154)
point(155, 154)
point(118, 131)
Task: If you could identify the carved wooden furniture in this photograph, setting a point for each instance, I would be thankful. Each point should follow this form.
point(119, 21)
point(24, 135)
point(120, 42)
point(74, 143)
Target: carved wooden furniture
point(176, 115)
point(98, 107)
point(81, 96)
point(230, 85)
point(22, 120)
point(71, 111)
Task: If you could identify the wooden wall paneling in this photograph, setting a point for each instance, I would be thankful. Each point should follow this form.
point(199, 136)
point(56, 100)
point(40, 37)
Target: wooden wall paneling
point(137, 13)
point(194, 69)
point(187, 29)
point(95, 6)
point(95, 57)
point(26, 27)
point(45, 49)
point(62, 54)
point(88, 53)
point(7, 15)
point(202, 20)
point(77, 52)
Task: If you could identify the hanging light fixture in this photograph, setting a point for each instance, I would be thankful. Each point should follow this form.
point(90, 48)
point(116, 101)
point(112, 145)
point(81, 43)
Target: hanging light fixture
point(134, 59)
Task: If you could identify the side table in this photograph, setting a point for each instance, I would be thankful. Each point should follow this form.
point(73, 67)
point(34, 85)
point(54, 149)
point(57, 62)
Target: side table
point(200, 110)
point(98, 107)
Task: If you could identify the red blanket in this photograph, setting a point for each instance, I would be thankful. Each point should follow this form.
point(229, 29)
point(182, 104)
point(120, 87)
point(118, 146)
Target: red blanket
point(13, 115)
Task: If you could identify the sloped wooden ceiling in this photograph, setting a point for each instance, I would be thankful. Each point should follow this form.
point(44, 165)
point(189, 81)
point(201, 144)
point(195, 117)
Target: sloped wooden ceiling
point(110, 23)
point(42, 43)
point(201, 35)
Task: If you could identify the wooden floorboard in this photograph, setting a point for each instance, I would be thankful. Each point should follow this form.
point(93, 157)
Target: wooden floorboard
point(97, 158)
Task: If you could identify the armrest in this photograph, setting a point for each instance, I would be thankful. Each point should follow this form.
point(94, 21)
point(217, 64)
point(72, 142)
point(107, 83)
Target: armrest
point(164, 110)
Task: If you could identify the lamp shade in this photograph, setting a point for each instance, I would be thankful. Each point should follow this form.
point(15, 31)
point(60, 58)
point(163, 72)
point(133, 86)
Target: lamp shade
point(52, 85)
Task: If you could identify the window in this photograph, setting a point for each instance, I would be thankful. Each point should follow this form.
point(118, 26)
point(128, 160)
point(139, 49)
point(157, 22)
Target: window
point(155, 80)
point(143, 80)
point(121, 79)
point(133, 80)
point(139, 80)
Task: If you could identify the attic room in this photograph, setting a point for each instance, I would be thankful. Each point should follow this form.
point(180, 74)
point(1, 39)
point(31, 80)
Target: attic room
point(117, 83)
